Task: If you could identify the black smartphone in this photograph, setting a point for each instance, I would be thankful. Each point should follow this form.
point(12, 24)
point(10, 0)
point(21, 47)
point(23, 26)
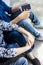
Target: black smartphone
point(26, 7)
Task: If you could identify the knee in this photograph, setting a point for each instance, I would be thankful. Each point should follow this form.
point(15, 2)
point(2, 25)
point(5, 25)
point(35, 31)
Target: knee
point(24, 60)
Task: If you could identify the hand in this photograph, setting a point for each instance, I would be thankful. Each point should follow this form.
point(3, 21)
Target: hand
point(31, 39)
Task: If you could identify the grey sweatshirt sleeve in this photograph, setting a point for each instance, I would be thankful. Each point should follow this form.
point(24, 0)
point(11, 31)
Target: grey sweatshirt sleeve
point(8, 26)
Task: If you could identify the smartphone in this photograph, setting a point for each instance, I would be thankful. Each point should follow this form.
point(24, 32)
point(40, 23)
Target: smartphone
point(26, 7)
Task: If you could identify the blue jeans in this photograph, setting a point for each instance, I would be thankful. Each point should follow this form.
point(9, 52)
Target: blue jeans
point(29, 27)
point(25, 23)
point(14, 37)
point(20, 61)
point(34, 18)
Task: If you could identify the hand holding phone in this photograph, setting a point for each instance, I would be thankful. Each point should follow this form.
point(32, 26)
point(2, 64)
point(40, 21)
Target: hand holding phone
point(26, 7)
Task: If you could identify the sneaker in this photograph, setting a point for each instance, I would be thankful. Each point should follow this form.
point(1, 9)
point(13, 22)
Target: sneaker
point(40, 26)
point(35, 61)
point(40, 38)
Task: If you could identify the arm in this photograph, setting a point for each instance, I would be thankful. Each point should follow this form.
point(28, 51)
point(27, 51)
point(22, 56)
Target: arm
point(23, 15)
point(5, 26)
point(9, 27)
point(30, 37)
point(13, 52)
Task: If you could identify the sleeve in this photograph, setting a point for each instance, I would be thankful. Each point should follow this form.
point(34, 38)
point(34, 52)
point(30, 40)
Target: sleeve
point(5, 26)
point(7, 8)
point(7, 53)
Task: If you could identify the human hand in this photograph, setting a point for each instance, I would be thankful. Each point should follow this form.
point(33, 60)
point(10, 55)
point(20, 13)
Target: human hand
point(31, 40)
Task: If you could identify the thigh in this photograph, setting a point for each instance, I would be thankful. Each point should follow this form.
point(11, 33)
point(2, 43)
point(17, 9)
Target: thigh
point(27, 25)
point(15, 37)
point(13, 45)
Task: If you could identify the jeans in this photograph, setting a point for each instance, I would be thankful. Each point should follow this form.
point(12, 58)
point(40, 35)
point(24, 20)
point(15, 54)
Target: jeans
point(20, 61)
point(14, 37)
point(29, 27)
point(26, 24)
point(34, 18)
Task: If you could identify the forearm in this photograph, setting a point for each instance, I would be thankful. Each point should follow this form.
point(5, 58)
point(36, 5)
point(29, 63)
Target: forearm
point(23, 31)
point(13, 52)
point(23, 49)
point(16, 20)
point(23, 15)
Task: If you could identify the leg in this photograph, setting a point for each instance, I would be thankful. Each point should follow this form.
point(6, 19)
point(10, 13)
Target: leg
point(34, 18)
point(21, 61)
point(25, 24)
point(33, 59)
point(14, 37)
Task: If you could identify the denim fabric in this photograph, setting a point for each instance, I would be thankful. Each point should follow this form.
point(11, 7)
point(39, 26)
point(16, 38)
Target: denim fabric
point(3, 9)
point(34, 18)
point(20, 61)
point(29, 27)
point(15, 37)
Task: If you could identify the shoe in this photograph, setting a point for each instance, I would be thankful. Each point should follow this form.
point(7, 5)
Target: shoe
point(40, 38)
point(40, 26)
point(35, 61)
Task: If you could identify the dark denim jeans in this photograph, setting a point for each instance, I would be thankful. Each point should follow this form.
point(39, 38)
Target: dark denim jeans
point(34, 18)
point(14, 37)
point(29, 27)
